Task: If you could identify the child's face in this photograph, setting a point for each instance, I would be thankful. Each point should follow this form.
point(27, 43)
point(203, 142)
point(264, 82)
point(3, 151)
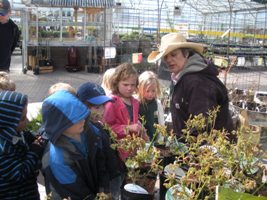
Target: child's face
point(128, 86)
point(150, 92)
point(97, 112)
point(23, 120)
point(75, 129)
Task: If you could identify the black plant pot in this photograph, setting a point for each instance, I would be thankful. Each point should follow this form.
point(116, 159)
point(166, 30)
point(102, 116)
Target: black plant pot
point(162, 188)
point(42, 62)
point(36, 71)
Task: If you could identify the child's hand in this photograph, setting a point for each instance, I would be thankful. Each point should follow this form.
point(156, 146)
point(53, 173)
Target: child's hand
point(136, 128)
point(139, 130)
point(41, 141)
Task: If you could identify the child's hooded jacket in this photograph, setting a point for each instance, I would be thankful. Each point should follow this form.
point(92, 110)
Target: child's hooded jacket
point(19, 158)
point(66, 168)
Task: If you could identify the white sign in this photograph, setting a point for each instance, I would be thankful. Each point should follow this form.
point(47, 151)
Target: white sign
point(110, 52)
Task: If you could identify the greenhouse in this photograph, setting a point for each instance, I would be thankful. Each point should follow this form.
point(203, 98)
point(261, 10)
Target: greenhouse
point(229, 27)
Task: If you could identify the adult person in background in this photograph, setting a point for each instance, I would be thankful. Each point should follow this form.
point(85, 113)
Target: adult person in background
point(196, 87)
point(9, 35)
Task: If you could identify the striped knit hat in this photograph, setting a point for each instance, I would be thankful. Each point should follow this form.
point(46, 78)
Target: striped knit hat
point(60, 111)
point(11, 108)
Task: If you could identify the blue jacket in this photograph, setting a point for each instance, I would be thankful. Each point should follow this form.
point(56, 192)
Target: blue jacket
point(19, 158)
point(66, 166)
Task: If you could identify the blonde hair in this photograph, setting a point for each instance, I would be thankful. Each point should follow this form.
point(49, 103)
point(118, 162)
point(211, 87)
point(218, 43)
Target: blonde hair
point(61, 86)
point(106, 80)
point(122, 72)
point(146, 79)
point(6, 83)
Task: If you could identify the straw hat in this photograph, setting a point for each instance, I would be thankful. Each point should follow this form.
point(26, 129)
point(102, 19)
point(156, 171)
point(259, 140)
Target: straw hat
point(171, 42)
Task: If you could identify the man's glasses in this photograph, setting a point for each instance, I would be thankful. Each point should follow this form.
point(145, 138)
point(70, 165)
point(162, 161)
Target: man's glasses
point(2, 14)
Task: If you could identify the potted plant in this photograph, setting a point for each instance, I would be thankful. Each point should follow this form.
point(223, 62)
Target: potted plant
point(213, 160)
point(142, 162)
point(167, 144)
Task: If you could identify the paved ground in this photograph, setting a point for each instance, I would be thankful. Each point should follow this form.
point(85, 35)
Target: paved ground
point(36, 86)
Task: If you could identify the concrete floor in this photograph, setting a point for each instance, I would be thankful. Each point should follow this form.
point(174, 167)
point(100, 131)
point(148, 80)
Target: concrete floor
point(36, 86)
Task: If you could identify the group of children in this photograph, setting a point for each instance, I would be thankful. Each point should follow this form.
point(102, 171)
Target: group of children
point(77, 162)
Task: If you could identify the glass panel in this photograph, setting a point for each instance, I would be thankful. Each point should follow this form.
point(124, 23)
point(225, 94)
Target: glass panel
point(61, 25)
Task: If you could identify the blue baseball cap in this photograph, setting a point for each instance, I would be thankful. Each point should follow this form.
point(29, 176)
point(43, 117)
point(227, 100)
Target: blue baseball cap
point(4, 7)
point(92, 93)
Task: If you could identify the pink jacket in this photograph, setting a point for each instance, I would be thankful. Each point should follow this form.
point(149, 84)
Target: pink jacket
point(117, 117)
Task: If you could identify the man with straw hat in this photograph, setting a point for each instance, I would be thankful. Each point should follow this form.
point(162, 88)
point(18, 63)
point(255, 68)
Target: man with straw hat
point(196, 87)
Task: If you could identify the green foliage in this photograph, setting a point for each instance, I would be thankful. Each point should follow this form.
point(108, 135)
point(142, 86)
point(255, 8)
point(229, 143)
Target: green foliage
point(35, 124)
point(226, 194)
point(144, 66)
point(168, 142)
point(142, 160)
point(218, 162)
point(135, 36)
point(103, 196)
point(130, 36)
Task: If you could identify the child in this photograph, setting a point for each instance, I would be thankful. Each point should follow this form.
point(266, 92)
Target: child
point(150, 106)
point(20, 152)
point(95, 98)
point(6, 83)
point(35, 108)
point(122, 114)
point(107, 79)
point(61, 86)
point(65, 163)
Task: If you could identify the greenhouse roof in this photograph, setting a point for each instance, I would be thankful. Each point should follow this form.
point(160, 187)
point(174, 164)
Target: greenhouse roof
point(221, 6)
point(75, 3)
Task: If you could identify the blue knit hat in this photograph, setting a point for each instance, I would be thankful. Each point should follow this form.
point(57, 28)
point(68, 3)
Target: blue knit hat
point(60, 111)
point(92, 93)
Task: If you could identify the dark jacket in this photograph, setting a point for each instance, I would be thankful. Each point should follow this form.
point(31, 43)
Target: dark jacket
point(112, 160)
point(67, 172)
point(9, 37)
point(66, 167)
point(97, 157)
point(197, 90)
point(147, 110)
point(102, 159)
point(19, 158)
